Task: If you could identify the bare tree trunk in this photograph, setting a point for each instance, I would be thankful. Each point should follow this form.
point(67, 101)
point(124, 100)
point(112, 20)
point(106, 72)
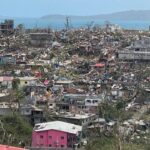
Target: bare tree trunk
point(4, 132)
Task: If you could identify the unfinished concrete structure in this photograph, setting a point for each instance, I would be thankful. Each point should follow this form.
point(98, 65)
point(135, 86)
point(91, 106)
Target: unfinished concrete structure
point(139, 50)
point(7, 27)
point(39, 39)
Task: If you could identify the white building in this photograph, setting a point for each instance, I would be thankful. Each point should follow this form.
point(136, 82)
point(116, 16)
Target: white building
point(139, 50)
point(134, 55)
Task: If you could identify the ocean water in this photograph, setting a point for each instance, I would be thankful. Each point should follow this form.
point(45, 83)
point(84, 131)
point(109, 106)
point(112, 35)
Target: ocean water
point(77, 23)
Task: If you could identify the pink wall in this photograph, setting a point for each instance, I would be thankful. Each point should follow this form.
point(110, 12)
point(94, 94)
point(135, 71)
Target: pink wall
point(38, 140)
point(56, 140)
point(51, 138)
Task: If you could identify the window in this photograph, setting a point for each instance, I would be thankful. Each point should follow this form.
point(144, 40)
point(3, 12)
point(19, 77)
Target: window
point(50, 145)
point(50, 137)
point(68, 139)
point(28, 110)
point(95, 101)
point(137, 49)
point(41, 136)
point(88, 101)
point(62, 137)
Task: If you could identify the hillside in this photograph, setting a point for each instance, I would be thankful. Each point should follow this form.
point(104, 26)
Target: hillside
point(125, 15)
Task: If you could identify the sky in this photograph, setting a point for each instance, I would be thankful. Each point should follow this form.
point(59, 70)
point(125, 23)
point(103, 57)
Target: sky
point(39, 8)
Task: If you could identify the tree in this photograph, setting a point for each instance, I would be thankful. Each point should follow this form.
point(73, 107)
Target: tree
point(15, 130)
point(19, 96)
point(15, 83)
point(16, 96)
point(111, 111)
point(108, 111)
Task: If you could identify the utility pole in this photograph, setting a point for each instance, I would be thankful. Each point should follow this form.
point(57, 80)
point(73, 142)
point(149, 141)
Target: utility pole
point(67, 23)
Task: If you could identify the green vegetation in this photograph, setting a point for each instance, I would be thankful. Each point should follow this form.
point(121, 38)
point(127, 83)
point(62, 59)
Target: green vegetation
point(15, 130)
point(112, 144)
point(15, 83)
point(115, 140)
point(111, 111)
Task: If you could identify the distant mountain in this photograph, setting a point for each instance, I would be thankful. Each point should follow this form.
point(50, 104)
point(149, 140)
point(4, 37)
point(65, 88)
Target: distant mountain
point(54, 17)
point(125, 15)
point(1, 16)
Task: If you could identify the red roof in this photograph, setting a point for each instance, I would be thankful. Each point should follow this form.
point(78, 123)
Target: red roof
point(99, 65)
point(6, 147)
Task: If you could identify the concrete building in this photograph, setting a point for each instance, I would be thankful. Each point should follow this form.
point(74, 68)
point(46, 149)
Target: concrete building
point(142, 44)
point(40, 39)
point(7, 27)
point(56, 134)
point(26, 81)
point(7, 108)
point(78, 119)
point(139, 50)
point(134, 55)
point(6, 82)
point(33, 114)
point(7, 59)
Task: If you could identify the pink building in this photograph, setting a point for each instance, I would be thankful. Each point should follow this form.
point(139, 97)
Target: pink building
point(56, 134)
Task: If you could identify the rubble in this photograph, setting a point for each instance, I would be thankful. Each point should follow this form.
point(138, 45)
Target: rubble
point(68, 75)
